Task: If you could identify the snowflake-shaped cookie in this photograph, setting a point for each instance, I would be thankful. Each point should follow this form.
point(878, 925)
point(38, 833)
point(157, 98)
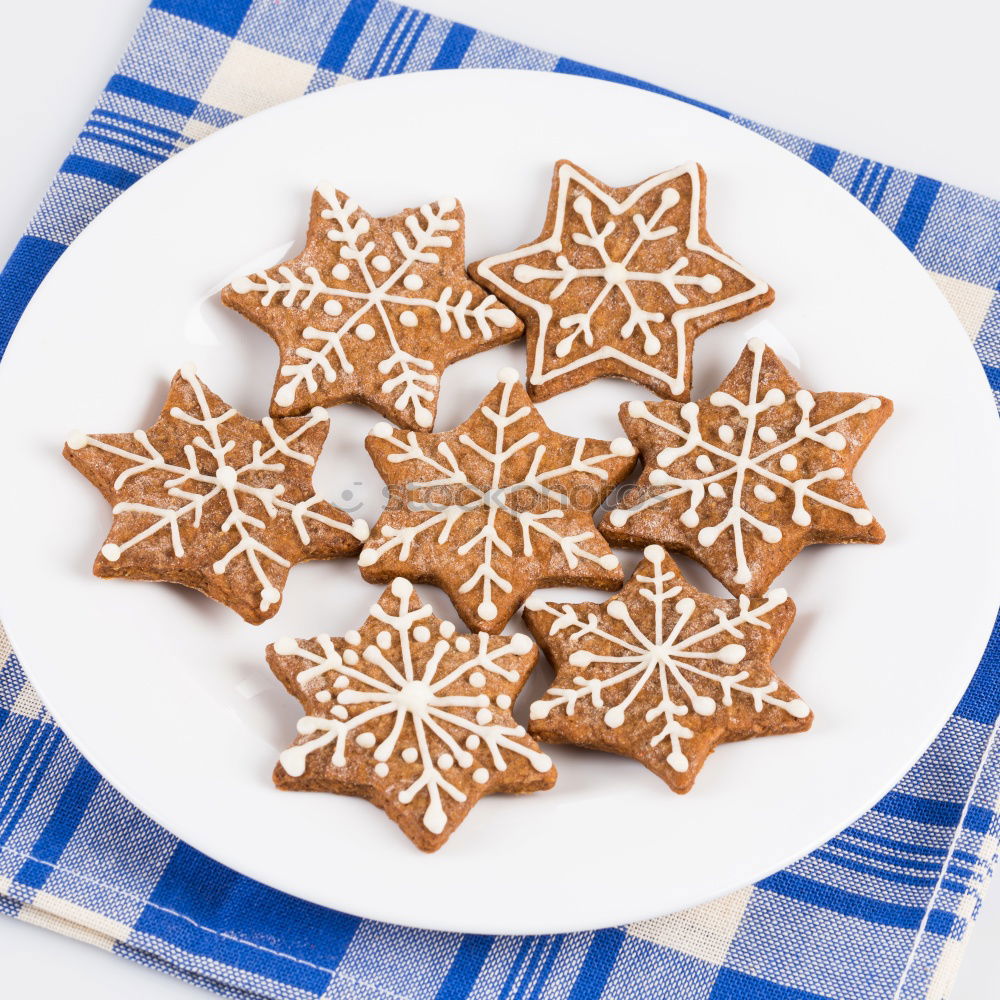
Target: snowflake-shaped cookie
point(743, 480)
point(621, 282)
point(411, 716)
point(373, 310)
point(663, 672)
point(494, 508)
point(214, 501)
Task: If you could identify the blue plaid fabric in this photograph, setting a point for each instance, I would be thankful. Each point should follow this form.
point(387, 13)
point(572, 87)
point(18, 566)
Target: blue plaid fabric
point(879, 912)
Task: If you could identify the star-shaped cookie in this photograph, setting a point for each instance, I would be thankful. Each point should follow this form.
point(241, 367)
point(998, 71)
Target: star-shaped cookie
point(373, 310)
point(620, 282)
point(662, 672)
point(743, 480)
point(214, 501)
point(409, 715)
point(494, 508)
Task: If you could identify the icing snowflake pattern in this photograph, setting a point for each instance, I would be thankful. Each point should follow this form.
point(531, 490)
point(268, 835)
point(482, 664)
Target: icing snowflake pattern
point(685, 658)
point(420, 716)
point(644, 270)
point(764, 445)
point(197, 494)
point(388, 297)
point(503, 492)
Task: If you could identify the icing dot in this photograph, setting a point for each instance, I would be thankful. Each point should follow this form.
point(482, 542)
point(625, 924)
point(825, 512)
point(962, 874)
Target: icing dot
point(410, 755)
point(677, 761)
point(381, 769)
point(421, 633)
point(767, 434)
point(111, 552)
point(472, 742)
point(350, 657)
point(188, 371)
point(366, 740)
point(447, 205)
point(484, 717)
point(716, 490)
point(534, 603)
point(503, 701)
point(269, 596)
point(609, 561)
point(658, 477)
point(285, 395)
point(725, 433)
point(788, 462)
point(332, 307)
point(462, 644)
point(477, 679)
point(286, 646)
point(764, 493)
point(488, 610)
point(445, 761)
point(503, 318)
point(408, 317)
point(341, 271)
point(690, 518)
point(618, 610)
point(689, 411)
point(383, 640)
point(581, 204)
point(480, 776)
point(364, 331)
point(401, 588)
point(524, 274)
point(76, 440)
point(654, 553)
point(863, 517)
point(704, 463)
point(447, 629)
point(323, 696)
point(622, 447)
point(226, 475)
point(341, 682)
point(339, 712)
point(353, 636)
point(382, 429)
point(381, 263)
point(711, 283)
point(413, 282)
point(507, 375)
point(520, 643)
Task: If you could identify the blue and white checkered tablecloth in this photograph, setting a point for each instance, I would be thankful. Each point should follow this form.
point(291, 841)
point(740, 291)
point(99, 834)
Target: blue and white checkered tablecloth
point(881, 911)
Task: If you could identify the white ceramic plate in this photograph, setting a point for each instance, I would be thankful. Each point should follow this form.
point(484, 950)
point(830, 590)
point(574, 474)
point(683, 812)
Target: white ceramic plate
point(168, 694)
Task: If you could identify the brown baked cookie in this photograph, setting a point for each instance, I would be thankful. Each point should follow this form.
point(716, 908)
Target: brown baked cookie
point(214, 501)
point(411, 716)
point(373, 310)
point(663, 672)
point(620, 282)
point(743, 480)
point(494, 508)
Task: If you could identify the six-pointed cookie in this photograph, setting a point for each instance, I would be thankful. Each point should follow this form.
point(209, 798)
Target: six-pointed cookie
point(214, 501)
point(494, 508)
point(409, 715)
point(743, 480)
point(662, 672)
point(373, 310)
point(620, 282)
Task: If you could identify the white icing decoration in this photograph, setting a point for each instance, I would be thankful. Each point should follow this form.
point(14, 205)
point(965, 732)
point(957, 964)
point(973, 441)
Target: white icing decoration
point(734, 472)
point(390, 286)
point(207, 470)
point(616, 274)
point(425, 699)
point(670, 658)
point(540, 521)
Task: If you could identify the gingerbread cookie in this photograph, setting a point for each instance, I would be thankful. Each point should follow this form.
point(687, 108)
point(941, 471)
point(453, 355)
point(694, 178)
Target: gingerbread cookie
point(662, 672)
point(214, 501)
point(411, 716)
point(743, 480)
point(620, 282)
point(373, 310)
point(494, 508)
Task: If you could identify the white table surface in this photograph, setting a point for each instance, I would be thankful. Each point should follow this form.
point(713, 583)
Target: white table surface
point(880, 79)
